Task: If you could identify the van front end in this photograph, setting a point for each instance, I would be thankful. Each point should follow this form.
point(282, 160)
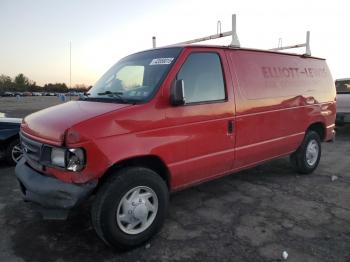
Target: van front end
point(57, 178)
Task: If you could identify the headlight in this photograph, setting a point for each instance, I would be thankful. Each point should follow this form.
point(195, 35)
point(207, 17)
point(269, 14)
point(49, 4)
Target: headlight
point(76, 159)
point(58, 157)
point(71, 159)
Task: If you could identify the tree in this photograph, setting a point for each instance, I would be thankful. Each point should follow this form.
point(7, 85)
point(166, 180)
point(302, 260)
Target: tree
point(21, 80)
point(21, 83)
point(5, 83)
point(58, 87)
point(80, 88)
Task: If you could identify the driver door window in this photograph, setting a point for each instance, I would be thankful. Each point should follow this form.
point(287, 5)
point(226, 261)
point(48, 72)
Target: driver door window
point(203, 78)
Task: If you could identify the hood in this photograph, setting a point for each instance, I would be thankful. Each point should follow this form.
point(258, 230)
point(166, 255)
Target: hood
point(51, 123)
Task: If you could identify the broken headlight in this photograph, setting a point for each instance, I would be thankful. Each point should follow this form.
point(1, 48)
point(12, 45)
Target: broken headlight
point(71, 159)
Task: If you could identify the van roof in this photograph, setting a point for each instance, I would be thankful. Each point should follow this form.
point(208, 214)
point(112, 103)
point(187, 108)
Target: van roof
point(239, 48)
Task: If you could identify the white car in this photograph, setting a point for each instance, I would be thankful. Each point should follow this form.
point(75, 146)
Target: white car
point(343, 100)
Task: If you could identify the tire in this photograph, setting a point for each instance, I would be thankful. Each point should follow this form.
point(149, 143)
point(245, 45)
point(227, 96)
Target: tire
point(113, 209)
point(12, 155)
point(307, 157)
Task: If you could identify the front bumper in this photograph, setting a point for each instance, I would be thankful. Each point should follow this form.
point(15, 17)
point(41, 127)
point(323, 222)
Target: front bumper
point(50, 193)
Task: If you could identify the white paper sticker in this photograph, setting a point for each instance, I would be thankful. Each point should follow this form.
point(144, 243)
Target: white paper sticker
point(162, 61)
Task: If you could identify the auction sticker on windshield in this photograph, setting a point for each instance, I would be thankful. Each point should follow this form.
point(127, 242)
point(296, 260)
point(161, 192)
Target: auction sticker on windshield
point(162, 61)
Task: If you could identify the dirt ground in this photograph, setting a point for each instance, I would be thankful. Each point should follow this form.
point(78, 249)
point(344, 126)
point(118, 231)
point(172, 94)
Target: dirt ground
point(253, 215)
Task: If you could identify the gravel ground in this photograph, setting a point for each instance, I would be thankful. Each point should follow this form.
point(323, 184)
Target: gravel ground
point(13, 107)
point(253, 215)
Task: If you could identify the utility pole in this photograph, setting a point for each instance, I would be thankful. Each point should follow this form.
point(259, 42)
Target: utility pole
point(70, 68)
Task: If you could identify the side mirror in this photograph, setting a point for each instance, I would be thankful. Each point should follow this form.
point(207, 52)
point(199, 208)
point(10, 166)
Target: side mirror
point(177, 93)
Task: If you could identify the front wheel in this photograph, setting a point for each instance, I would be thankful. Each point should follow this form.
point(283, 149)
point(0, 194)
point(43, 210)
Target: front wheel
point(14, 152)
point(305, 160)
point(130, 207)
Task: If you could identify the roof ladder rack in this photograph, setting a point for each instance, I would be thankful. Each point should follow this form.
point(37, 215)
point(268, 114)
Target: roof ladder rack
point(233, 33)
point(306, 45)
point(235, 41)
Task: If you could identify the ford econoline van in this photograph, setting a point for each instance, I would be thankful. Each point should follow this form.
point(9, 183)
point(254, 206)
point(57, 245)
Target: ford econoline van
point(165, 119)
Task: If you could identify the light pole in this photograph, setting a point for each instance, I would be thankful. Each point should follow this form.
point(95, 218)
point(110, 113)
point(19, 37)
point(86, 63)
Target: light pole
point(70, 68)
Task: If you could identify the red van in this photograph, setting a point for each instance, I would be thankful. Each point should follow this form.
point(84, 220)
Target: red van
point(169, 118)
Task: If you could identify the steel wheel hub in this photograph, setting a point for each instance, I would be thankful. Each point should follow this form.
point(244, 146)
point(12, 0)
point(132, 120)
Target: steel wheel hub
point(137, 210)
point(312, 152)
point(16, 153)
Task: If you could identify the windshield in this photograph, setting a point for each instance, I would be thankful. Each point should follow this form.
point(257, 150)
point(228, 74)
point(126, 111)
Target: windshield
point(135, 78)
point(342, 86)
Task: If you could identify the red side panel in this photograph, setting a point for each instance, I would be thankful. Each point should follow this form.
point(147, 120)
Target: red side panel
point(277, 98)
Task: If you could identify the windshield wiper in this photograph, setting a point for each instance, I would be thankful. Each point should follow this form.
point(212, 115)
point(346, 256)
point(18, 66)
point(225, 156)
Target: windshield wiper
point(113, 94)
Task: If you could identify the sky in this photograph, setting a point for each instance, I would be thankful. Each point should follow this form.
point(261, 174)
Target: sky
point(35, 34)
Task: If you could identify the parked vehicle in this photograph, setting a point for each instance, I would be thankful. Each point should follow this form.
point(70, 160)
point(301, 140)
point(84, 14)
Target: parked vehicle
point(10, 147)
point(7, 94)
point(343, 100)
point(73, 93)
point(48, 94)
point(165, 119)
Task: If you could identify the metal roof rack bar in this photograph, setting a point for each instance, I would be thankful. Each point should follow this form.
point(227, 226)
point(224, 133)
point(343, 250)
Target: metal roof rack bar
point(235, 41)
point(233, 33)
point(306, 45)
point(154, 42)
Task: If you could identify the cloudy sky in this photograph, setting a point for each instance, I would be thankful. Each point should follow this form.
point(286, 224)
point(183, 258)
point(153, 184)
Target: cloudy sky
point(35, 34)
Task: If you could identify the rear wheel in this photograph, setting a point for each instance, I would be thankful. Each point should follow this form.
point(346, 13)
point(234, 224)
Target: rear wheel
point(305, 160)
point(130, 207)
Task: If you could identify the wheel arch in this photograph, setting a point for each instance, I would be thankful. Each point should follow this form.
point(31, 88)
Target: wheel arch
point(319, 128)
point(152, 162)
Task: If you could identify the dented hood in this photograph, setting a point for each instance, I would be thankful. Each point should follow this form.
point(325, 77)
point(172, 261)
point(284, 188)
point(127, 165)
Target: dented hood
point(50, 124)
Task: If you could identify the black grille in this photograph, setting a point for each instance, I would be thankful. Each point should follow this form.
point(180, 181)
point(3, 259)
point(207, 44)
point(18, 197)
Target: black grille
point(31, 149)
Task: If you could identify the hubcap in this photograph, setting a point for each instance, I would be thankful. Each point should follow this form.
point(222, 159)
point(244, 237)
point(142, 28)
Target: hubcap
point(312, 151)
point(16, 153)
point(137, 210)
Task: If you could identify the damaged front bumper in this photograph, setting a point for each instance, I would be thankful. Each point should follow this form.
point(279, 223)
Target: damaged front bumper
point(54, 197)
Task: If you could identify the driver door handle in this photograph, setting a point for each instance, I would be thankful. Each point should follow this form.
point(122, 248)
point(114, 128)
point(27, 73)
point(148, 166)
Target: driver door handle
point(230, 127)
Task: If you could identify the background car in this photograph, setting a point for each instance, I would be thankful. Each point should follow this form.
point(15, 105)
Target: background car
point(343, 100)
point(27, 94)
point(10, 147)
point(6, 94)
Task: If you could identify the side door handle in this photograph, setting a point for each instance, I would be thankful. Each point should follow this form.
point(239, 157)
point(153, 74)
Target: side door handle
point(230, 127)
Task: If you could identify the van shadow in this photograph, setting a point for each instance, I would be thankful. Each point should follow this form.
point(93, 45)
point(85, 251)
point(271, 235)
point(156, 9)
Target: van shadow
point(39, 240)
